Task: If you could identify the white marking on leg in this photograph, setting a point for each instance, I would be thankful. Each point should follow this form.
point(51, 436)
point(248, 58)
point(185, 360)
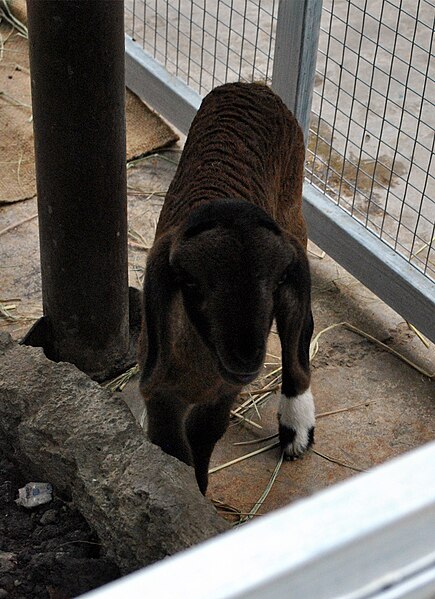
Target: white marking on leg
point(297, 414)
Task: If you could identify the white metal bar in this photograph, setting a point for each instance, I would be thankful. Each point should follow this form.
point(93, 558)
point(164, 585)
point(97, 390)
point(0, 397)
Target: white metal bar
point(167, 94)
point(397, 282)
point(294, 62)
point(355, 540)
point(417, 587)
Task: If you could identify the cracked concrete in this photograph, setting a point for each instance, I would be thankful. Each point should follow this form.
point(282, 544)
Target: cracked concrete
point(64, 428)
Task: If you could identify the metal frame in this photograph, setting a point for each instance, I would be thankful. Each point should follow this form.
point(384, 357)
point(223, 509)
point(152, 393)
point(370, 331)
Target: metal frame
point(294, 62)
point(371, 536)
point(370, 260)
point(168, 95)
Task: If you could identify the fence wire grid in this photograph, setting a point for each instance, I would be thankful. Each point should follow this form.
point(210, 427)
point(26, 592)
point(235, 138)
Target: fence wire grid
point(371, 142)
point(207, 43)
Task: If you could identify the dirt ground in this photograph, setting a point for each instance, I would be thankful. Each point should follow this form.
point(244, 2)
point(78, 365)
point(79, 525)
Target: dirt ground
point(47, 552)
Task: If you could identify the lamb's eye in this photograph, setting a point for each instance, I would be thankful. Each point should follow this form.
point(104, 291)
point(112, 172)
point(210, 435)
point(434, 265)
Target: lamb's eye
point(185, 280)
point(284, 277)
point(189, 282)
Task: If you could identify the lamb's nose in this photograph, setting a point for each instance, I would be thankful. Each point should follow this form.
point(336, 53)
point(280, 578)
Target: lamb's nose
point(248, 359)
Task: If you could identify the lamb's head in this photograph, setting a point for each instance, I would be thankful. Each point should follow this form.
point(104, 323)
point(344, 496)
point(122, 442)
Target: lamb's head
point(231, 262)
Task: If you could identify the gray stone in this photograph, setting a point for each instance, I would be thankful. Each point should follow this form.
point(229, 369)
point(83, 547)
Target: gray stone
point(143, 504)
point(48, 517)
point(8, 561)
point(3, 593)
point(6, 492)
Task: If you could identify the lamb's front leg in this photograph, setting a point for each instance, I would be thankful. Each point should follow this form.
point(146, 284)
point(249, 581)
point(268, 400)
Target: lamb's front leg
point(166, 425)
point(296, 423)
point(296, 413)
point(205, 425)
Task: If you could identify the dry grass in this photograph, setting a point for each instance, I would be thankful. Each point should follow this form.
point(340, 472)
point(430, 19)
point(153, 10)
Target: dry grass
point(14, 101)
point(257, 397)
point(7, 16)
point(9, 312)
point(320, 255)
point(380, 344)
point(119, 382)
point(336, 461)
point(243, 457)
point(17, 224)
point(136, 240)
point(275, 444)
point(149, 193)
point(137, 161)
point(422, 338)
point(229, 512)
point(258, 504)
point(5, 311)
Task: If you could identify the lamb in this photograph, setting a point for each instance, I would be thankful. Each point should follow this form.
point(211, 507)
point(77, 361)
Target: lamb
point(229, 257)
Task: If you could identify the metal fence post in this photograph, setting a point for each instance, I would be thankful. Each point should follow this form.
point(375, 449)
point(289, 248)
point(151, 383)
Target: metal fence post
point(294, 63)
point(78, 87)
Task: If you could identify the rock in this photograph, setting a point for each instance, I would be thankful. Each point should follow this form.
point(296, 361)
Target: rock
point(49, 531)
point(34, 494)
point(3, 593)
point(143, 504)
point(48, 517)
point(6, 492)
point(8, 561)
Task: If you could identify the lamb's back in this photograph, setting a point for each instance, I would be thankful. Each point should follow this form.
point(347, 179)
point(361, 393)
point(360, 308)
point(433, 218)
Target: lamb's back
point(243, 144)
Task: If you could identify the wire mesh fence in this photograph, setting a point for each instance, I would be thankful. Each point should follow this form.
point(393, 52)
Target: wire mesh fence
point(371, 142)
point(206, 43)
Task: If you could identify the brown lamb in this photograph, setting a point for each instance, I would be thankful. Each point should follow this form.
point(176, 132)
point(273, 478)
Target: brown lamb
point(229, 257)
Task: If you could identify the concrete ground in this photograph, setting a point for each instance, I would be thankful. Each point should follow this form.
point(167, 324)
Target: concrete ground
point(388, 406)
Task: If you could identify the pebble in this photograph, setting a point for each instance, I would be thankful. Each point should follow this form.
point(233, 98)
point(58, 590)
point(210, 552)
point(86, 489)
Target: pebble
point(48, 517)
point(8, 561)
point(3, 593)
point(6, 492)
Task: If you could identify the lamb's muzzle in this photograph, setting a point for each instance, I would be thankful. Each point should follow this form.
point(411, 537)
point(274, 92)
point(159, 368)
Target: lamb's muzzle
point(229, 257)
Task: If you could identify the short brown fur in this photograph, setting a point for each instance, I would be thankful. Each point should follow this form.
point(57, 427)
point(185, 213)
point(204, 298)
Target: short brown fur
point(243, 143)
point(214, 279)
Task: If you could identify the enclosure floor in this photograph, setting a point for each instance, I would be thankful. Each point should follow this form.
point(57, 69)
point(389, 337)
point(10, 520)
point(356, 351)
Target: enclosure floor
point(396, 406)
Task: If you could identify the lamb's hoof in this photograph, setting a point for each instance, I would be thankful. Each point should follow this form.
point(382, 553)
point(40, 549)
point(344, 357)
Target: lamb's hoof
point(295, 443)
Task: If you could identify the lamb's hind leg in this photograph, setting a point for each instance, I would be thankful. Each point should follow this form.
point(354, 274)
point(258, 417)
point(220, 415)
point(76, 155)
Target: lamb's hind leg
point(296, 408)
point(166, 426)
point(205, 425)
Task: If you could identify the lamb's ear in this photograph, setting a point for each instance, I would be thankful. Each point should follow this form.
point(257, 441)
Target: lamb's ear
point(159, 291)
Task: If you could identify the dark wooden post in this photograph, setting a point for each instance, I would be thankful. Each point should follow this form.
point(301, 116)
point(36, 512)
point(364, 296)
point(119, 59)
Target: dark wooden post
point(78, 87)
